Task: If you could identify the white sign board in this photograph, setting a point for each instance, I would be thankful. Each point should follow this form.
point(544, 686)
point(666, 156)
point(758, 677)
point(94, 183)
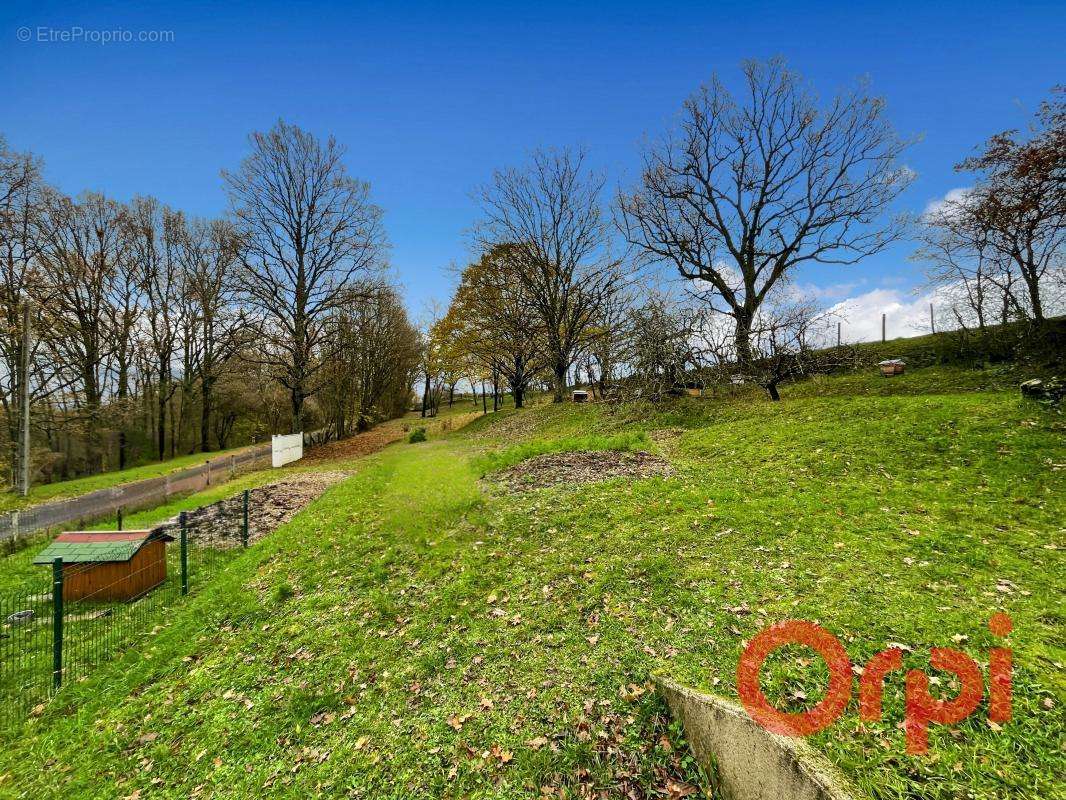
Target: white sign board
point(286, 449)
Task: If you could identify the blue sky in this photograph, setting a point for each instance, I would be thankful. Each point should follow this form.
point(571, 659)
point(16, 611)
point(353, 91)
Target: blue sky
point(429, 99)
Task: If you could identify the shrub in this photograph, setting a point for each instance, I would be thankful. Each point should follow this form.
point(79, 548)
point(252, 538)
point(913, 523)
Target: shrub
point(417, 435)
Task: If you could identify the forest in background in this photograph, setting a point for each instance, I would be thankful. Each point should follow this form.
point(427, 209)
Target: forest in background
point(141, 333)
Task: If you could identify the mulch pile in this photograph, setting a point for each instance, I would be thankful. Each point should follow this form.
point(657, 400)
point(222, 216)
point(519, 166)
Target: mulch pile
point(275, 504)
point(269, 507)
point(581, 466)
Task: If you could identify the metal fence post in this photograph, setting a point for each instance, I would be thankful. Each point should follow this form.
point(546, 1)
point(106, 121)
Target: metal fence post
point(244, 519)
point(57, 623)
point(118, 516)
point(184, 554)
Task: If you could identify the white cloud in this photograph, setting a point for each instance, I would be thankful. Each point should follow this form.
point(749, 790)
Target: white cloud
point(953, 196)
point(906, 314)
point(824, 294)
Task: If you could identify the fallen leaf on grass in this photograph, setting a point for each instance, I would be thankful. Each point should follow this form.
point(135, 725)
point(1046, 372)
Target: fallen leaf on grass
point(457, 720)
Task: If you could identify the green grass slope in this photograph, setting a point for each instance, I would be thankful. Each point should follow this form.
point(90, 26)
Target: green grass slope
point(419, 633)
point(47, 492)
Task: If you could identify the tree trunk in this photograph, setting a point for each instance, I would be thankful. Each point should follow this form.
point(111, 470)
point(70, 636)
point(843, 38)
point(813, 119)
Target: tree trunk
point(161, 413)
point(518, 384)
point(772, 389)
point(205, 414)
point(123, 393)
point(560, 380)
point(742, 338)
point(93, 449)
point(484, 400)
point(174, 432)
point(297, 410)
point(341, 422)
point(425, 397)
point(1033, 285)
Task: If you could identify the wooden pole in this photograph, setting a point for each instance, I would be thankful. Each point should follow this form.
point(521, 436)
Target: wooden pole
point(24, 406)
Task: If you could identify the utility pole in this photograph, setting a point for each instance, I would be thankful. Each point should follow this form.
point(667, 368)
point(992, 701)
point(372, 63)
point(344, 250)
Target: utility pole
point(932, 320)
point(883, 316)
point(23, 477)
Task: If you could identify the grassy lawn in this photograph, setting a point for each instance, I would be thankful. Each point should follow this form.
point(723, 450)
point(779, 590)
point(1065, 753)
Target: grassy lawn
point(418, 632)
point(45, 492)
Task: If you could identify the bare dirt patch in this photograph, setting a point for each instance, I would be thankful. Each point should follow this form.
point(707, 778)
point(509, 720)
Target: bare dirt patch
point(581, 466)
point(269, 507)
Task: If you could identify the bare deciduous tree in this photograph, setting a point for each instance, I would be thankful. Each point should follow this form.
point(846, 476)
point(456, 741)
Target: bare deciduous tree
point(21, 207)
point(972, 277)
point(751, 187)
point(154, 233)
point(210, 253)
point(659, 348)
point(1017, 212)
point(125, 312)
point(374, 360)
point(308, 231)
point(82, 248)
point(785, 345)
point(550, 214)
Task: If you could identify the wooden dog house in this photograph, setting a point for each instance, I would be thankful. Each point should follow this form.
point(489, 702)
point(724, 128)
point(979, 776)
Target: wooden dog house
point(108, 565)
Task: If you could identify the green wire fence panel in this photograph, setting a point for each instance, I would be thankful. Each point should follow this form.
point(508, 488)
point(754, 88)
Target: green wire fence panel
point(26, 648)
point(50, 637)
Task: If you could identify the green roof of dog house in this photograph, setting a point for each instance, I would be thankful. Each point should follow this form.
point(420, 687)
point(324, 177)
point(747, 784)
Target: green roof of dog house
point(97, 547)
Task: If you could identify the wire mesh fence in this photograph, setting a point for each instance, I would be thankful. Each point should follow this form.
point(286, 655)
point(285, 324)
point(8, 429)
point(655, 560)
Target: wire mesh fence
point(78, 615)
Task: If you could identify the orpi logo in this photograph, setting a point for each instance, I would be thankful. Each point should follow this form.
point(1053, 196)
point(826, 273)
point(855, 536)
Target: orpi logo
point(922, 708)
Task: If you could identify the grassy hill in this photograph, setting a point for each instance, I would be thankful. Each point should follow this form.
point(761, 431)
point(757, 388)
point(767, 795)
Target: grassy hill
point(421, 631)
